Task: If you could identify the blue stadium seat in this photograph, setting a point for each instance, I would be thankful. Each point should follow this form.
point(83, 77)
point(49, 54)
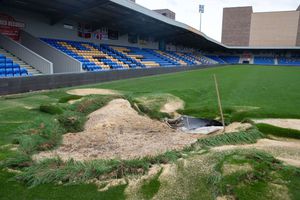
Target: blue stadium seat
point(23, 71)
point(264, 60)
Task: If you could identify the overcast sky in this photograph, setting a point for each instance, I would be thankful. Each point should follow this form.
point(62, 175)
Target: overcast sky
point(187, 11)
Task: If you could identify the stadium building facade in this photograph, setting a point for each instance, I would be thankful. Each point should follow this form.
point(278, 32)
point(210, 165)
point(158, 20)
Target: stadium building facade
point(243, 27)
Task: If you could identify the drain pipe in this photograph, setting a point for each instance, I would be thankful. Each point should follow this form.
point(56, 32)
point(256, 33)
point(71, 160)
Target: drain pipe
point(219, 102)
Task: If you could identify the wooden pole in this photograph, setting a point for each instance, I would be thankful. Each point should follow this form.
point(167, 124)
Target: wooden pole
point(219, 102)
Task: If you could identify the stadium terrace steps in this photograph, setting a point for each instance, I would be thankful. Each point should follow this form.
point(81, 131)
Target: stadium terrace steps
point(12, 66)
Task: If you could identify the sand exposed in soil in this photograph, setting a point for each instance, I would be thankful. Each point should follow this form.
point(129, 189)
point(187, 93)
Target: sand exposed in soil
point(118, 131)
point(172, 106)
point(90, 91)
point(287, 151)
point(236, 127)
point(283, 123)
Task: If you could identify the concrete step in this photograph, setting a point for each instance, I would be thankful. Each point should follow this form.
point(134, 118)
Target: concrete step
point(22, 64)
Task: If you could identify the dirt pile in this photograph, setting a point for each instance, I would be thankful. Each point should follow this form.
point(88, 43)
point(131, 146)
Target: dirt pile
point(118, 131)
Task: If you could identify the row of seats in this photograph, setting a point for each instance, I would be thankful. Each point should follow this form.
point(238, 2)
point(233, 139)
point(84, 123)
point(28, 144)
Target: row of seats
point(105, 57)
point(264, 60)
point(182, 56)
point(216, 58)
point(176, 61)
point(231, 59)
point(288, 61)
point(199, 59)
point(10, 69)
point(150, 58)
point(95, 57)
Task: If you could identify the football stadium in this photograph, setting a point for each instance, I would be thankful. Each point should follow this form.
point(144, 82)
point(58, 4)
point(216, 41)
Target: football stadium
point(107, 99)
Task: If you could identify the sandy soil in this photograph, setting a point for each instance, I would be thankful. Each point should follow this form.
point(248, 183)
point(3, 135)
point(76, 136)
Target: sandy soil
point(229, 169)
point(287, 151)
point(90, 91)
point(283, 123)
point(236, 127)
point(118, 131)
point(172, 106)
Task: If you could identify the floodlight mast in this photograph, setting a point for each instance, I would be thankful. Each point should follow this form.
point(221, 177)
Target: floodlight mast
point(201, 11)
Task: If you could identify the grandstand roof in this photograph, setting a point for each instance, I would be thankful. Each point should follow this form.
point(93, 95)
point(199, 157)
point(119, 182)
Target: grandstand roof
point(122, 15)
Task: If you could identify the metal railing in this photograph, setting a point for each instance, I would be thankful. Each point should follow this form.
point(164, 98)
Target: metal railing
point(26, 55)
point(62, 63)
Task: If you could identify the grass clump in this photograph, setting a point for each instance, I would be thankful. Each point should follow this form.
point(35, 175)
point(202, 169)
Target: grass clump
point(68, 98)
point(168, 157)
point(277, 131)
point(91, 104)
point(151, 104)
point(51, 109)
point(153, 114)
point(17, 161)
point(72, 122)
point(76, 172)
point(151, 187)
point(40, 135)
point(257, 183)
point(13, 190)
point(245, 137)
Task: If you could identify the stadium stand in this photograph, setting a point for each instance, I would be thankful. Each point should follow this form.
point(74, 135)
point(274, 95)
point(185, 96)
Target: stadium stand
point(231, 59)
point(264, 60)
point(288, 61)
point(105, 57)
point(173, 58)
point(93, 57)
point(10, 66)
point(150, 58)
point(181, 56)
point(200, 58)
point(216, 58)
